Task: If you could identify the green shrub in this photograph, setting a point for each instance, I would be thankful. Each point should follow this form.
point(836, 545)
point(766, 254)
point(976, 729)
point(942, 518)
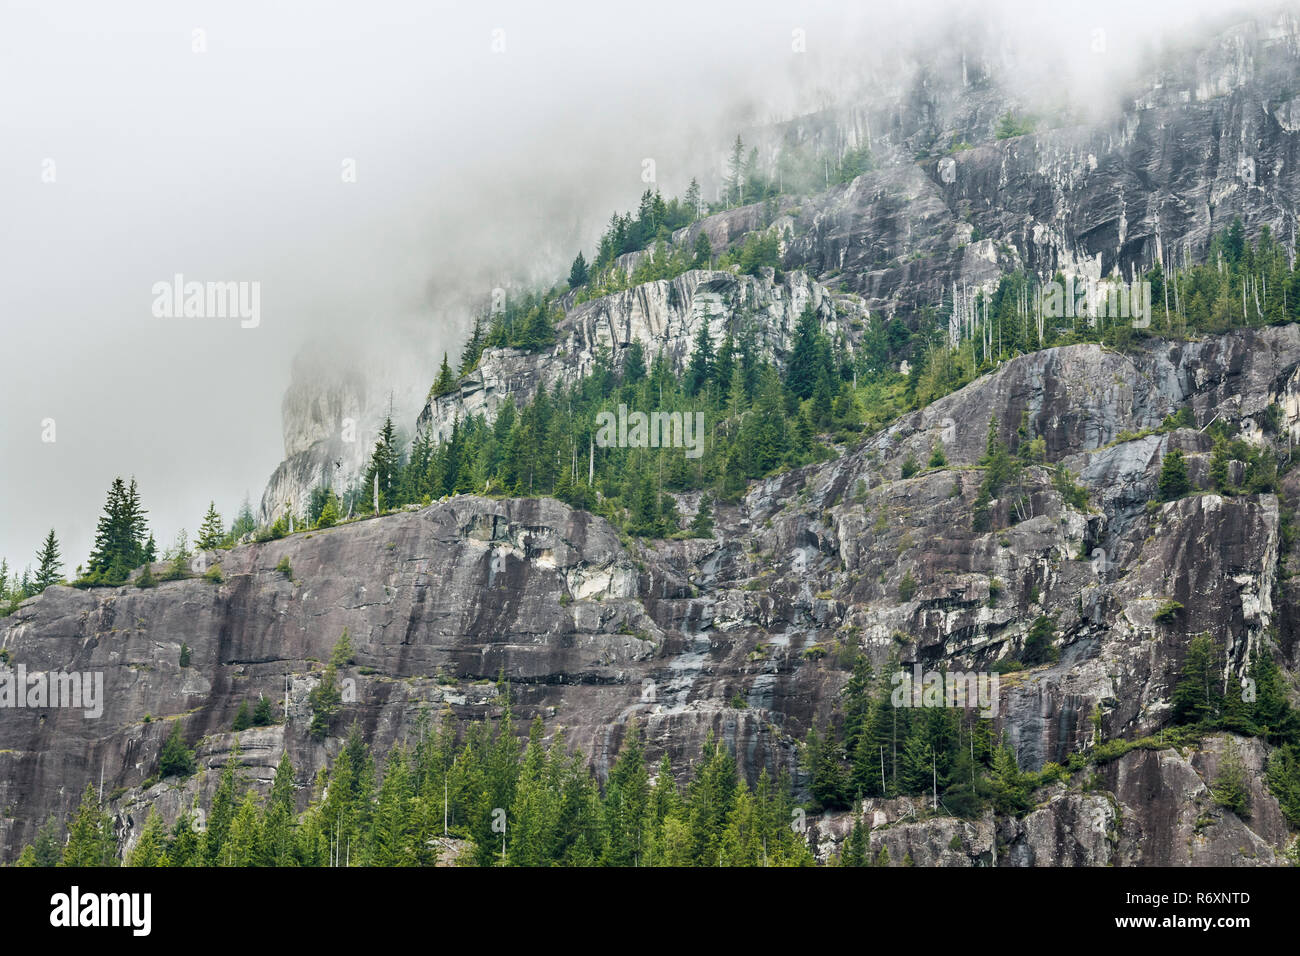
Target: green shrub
point(1038, 643)
point(1168, 611)
point(342, 654)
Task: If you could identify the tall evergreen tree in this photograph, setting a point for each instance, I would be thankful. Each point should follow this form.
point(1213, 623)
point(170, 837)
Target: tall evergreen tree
point(578, 272)
point(700, 369)
point(90, 834)
point(49, 565)
point(386, 464)
point(119, 537)
point(446, 380)
point(211, 532)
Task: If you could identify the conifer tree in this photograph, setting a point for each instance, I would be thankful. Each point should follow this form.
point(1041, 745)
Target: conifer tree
point(176, 759)
point(1173, 482)
point(49, 564)
point(151, 848)
point(446, 381)
point(90, 836)
point(1231, 788)
point(473, 349)
point(1197, 695)
point(627, 802)
point(702, 523)
point(325, 700)
point(279, 817)
point(700, 369)
point(119, 536)
point(703, 252)
point(47, 848)
point(386, 464)
point(734, 185)
point(213, 844)
point(245, 521)
point(211, 532)
point(692, 199)
point(578, 271)
point(247, 845)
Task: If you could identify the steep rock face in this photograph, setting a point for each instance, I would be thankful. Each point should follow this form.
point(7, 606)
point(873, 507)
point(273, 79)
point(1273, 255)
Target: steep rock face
point(1153, 808)
point(592, 631)
point(331, 416)
point(664, 316)
point(1206, 135)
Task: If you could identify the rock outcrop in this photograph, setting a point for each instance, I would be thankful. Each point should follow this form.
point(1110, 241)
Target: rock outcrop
point(591, 630)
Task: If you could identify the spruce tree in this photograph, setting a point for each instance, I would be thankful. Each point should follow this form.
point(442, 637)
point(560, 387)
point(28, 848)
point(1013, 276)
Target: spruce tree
point(702, 523)
point(247, 846)
point(151, 847)
point(211, 532)
point(221, 817)
point(119, 537)
point(700, 369)
point(1173, 482)
point(90, 835)
point(176, 760)
point(703, 258)
point(473, 349)
point(47, 849)
point(1231, 787)
point(734, 185)
point(804, 366)
point(49, 564)
point(446, 381)
point(278, 826)
point(245, 521)
point(693, 199)
point(578, 272)
point(1197, 697)
point(386, 463)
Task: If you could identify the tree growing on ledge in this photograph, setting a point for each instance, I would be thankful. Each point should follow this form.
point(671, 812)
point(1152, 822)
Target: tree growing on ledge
point(119, 538)
point(578, 272)
point(446, 381)
point(1173, 476)
point(49, 564)
point(176, 760)
point(386, 465)
point(211, 531)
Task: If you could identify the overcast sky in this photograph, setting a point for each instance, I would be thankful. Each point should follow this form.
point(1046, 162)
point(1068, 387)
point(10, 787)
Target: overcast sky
point(488, 141)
